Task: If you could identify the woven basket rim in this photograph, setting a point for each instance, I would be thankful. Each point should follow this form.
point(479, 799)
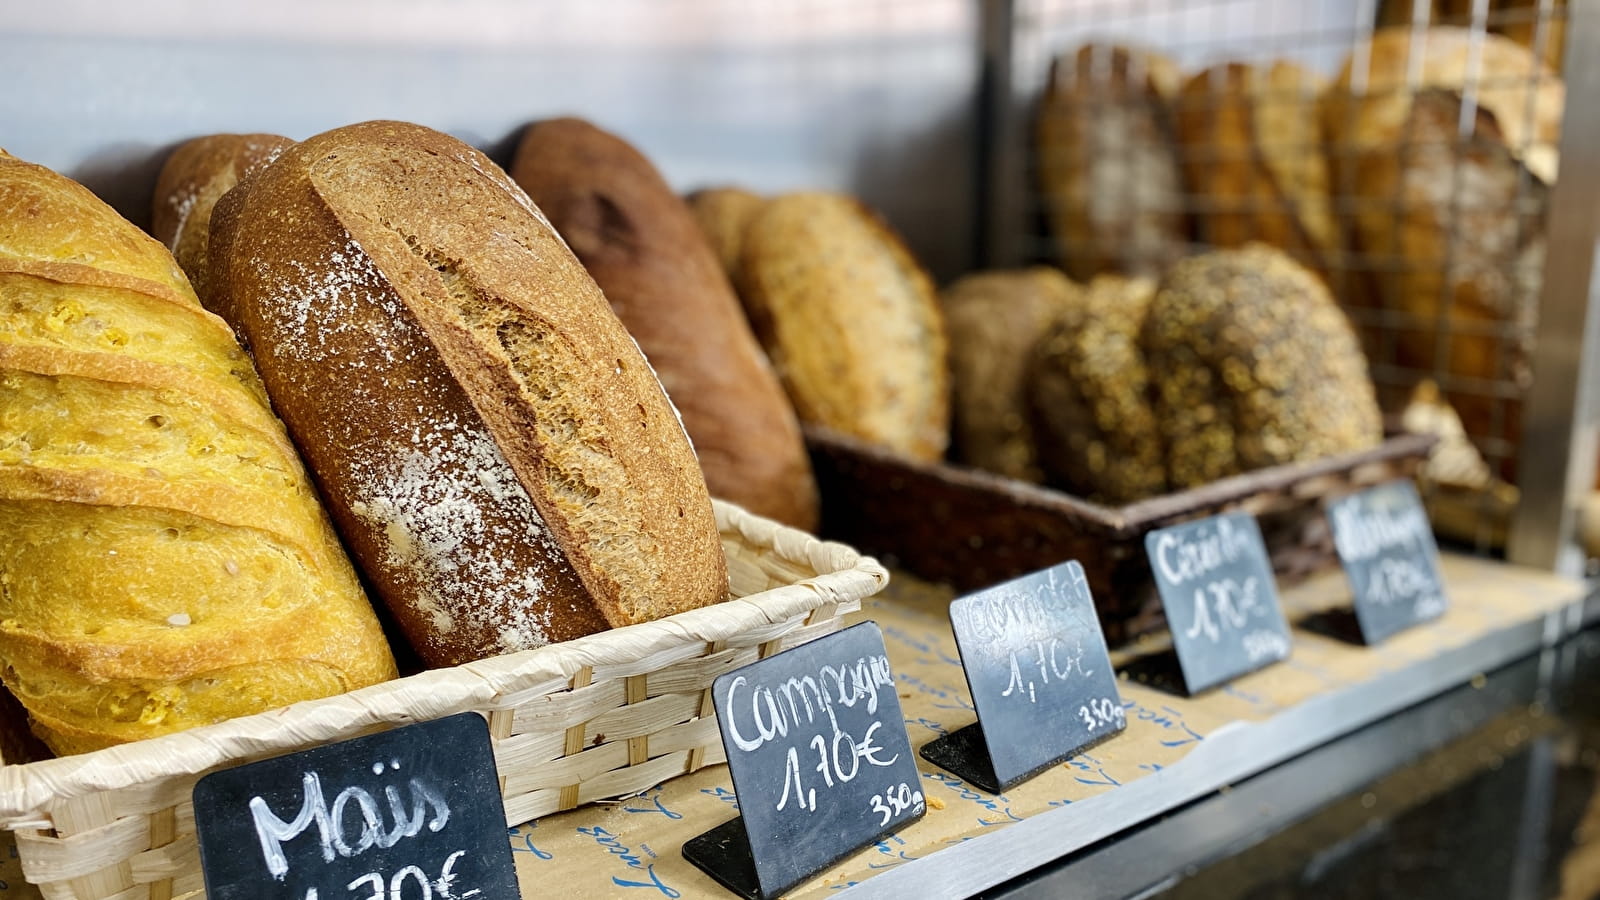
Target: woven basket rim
point(845, 576)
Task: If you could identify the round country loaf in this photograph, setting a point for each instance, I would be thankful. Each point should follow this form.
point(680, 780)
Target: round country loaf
point(1253, 365)
point(492, 445)
point(850, 321)
point(995, 319)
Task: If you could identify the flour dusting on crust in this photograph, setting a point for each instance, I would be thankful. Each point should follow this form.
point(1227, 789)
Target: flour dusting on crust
point(439, 500)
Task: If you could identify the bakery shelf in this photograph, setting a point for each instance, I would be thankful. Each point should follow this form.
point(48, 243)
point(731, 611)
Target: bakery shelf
point(1177, 750)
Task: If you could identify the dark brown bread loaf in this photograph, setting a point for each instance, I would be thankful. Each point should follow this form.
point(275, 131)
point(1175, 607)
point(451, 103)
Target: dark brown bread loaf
point(642, 245)
point(490, 442)
point(193, 179)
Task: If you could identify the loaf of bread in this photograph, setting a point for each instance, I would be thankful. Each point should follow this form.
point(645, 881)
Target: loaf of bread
point(1253, 157)
point(1107, 164)
point(164, 561)
point(193, 179)
point(724, 213)
point(1089, 394)
point(641, 244)
point(1456, 221)
point(1253, 365)
point(492, 445)
point(850, 320)
point(994, 319)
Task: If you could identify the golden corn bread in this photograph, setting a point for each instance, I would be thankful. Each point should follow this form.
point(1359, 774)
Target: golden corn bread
point(724, 213)
point(642, 246)
point(1458, 221)
point(1253, 365)
point(850, 321)
point(492, 445)
point(163, 558)
point(994, 320)
point(1107, 167)
point(1252, 150)
point(1089, 389)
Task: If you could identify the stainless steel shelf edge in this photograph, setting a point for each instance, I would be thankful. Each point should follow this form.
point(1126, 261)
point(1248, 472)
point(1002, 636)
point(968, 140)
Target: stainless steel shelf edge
point(1228, 755)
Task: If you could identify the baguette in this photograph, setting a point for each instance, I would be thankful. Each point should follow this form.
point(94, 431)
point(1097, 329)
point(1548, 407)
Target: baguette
point(493, 447)
point(164, 559)
point(643, 247)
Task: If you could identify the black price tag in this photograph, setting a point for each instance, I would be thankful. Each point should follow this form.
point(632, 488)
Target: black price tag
point(412, 813)
point(1216, 585)
point(1040, 677)
point(820, 760)
point(1386, 546)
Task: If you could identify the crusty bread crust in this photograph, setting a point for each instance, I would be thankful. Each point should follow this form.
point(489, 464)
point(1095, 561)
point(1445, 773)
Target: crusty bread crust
point(1251, 146)
point(192, 180)
point(493, 446)
point(643, 247)
point(1000, 315)
point(724, 214)
point(165, 560)
point(850, 321)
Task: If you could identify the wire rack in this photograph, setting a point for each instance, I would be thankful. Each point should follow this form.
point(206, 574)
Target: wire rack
point(1404, 149)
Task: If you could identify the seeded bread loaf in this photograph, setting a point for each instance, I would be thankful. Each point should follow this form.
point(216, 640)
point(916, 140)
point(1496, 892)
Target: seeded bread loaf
point(1252, 152)
point(1089, 393)
point(849, 320)
point(164, 562)
point(492, 445)
point(994, 320)
point(1107, 166)
point(1253, 365)
point(193, 179)
point(643, 247)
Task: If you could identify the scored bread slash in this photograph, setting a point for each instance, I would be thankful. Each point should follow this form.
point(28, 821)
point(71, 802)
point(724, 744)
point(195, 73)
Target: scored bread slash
point(490, 441)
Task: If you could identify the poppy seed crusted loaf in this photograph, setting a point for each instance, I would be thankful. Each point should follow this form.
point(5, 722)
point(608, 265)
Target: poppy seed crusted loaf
point(1090, 396)
point(1253, 365)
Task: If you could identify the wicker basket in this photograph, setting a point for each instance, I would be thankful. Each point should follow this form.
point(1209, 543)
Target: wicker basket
point(971, 529)
point(602, 716)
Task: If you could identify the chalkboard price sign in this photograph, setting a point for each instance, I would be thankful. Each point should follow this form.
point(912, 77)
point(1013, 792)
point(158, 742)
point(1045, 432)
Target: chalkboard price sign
point(409, 814)
point(1386, 546)
point(1040, 677)
point(820, 761)
point(1216, 585)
